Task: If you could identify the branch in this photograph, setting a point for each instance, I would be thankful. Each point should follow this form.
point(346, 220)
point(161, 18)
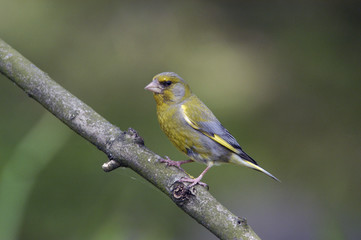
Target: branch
point(124, 149)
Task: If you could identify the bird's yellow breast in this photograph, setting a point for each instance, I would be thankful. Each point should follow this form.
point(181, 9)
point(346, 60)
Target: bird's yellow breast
point(173, 125)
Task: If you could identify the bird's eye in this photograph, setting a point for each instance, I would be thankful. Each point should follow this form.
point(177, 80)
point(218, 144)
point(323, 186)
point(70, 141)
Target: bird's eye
point(166, 83)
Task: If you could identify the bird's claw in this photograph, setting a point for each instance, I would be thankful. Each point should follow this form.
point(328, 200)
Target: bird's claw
point(176, 164)
point(170, 162)
point(193, 182)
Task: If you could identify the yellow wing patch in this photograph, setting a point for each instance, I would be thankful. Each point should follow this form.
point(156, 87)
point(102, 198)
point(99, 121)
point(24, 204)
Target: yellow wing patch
point(221, 141)
point(188, 120)
point(214, 137)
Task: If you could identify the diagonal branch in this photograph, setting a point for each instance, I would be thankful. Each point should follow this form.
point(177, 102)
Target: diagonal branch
point(124, 149)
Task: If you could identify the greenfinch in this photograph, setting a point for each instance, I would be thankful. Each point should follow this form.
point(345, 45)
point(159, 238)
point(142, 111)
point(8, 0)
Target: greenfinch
point(193, 128)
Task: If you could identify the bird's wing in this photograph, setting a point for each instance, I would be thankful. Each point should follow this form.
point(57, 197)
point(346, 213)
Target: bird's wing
point(200, 118)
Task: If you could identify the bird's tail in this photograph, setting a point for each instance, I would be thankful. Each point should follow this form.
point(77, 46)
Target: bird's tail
point(239, 161)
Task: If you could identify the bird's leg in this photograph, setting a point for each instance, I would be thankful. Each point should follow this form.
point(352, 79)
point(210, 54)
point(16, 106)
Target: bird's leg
point(197, 180)
point(176, 164)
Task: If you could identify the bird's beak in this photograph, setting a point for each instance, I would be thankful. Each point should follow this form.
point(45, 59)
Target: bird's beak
point(154, 86)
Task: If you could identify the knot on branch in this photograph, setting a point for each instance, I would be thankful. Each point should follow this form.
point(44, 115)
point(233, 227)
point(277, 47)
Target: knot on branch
point(114, 162)
point(242, 222)
point(134, 136)
point(181, 193)
point(130, 136)
point(73, 114)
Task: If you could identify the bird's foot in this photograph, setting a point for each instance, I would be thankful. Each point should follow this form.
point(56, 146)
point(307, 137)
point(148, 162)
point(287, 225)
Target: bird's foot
point(194, 181)
point(176, 164)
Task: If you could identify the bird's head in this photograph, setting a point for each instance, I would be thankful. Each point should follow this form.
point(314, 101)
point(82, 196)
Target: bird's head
point(168, 87)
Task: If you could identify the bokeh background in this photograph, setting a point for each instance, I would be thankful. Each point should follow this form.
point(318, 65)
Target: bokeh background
point(283, 76)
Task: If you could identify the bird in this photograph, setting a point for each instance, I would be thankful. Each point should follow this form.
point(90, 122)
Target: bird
point(194, 130)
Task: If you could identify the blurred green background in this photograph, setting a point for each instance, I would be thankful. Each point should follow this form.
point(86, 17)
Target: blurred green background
point(283, 76)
